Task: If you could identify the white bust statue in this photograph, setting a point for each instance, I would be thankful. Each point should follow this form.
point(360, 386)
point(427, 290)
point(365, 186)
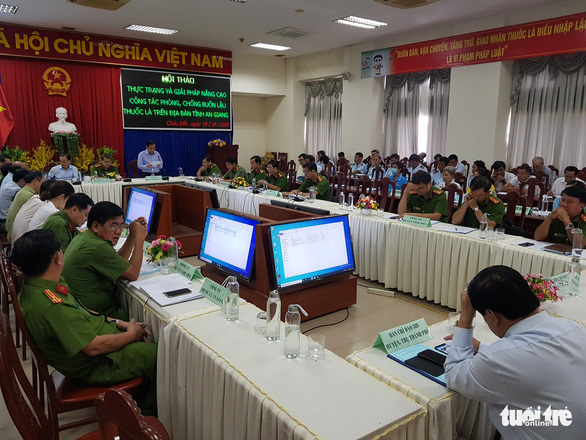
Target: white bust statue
point(61, 125)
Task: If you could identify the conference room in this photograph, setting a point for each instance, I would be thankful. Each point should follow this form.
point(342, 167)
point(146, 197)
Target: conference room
point(433, 79)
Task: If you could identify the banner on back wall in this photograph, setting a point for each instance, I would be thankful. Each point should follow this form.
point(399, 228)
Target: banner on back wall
point(60, 45)
point(540, 38)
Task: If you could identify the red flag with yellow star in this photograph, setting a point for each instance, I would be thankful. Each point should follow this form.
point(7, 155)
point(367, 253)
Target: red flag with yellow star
point(6, 119)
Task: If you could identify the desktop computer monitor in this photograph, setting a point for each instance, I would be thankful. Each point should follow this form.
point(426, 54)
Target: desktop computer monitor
point(141, 203)
point(228, 242)
point(308, 250)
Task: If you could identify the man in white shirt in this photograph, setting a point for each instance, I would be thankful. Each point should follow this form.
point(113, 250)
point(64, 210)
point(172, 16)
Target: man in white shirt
point(414, 165)
point(560, 183)
point(460, 168)
point(376, 165)
point(64, 171)
point(532, 378)
point(358, 167)
point(149, 160)
point(500, 177)
point(302, 161)
point(523, 174)
point(437, 174)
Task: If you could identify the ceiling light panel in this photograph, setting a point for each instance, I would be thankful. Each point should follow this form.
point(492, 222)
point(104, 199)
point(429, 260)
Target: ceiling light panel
point(269, 46)
point(365, 23)
point(153, 30)
point(351, 23)
point(9, 9)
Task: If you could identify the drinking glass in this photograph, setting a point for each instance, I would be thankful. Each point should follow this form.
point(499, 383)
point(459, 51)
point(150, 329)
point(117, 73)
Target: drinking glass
point(316, 348)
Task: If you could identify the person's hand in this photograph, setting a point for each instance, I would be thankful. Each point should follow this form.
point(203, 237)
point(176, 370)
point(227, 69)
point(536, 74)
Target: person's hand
point(411, 187)
point(149, 165)
point(467, 314)
point(468, 198)
point(260, 182)
point(561, 214)
point(473, 203)
point(138, 330)
point(475, 342)
point(499, 177)
point(549, 193)
point(138, 229)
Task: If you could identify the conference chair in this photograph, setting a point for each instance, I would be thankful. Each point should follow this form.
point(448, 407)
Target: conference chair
point(531, 184)
point(554, 170)
point(543, 178)
point(515, 199)
point(433, 166)
point(120, 418)
point(378, 174)
point(467, 165)
point(132, 170)
point(405, 172)
point(363, 186)
point(339, 184)
point(53, 392)
point(454, 202)
point(386, 194)
point(291, 165)
point(581, 175)
point(461, 179)
point(292, 179)
point(283, 165)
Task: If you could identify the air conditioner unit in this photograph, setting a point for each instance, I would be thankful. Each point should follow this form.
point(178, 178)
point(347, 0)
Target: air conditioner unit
point(111, 5)
point(405, 4)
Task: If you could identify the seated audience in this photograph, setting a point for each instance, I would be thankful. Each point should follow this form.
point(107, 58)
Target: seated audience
point(374, 153)
point(539, 165)
point(559, 185)
point(322, 162)
point(394, 173)
point(483, 172)
point(423, 200)
point(422, 157)
point(395, 158)
point(437, 175)
point(500, 177)
point(523, 173)
point(558, 226)
point(234, 170)
point(8, 191)
point(300, 174)
point(453, 162)
point(276, 180)
point(376, 165)
point(64, 223)
point(104, 168)
point(414, 165)
point(479, 202)
point(448, 177)
point(477, 164)
point(64, 171)
point(313, 179)
point(96, 349)
point(32, 185)
point(28, 210)
point(54, 200)
point(525, 371)
point(92, 265)
point(341, 159)
point(4, 170)
point(358, 167)
point(15, 166)
point(437, 156)
point(558, 199)
point(208, 168)
point(256, 172)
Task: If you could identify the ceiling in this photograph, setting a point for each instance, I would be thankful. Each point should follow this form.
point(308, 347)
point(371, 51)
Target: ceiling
point(220, 24)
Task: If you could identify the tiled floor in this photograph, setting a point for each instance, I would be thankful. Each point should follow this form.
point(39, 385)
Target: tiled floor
point(374, 312)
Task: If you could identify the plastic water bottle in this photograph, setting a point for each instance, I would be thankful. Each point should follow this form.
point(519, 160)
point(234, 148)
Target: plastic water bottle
point(233, 300)
point(342, 200)
point(253, 185)
point(574, 270)
point(264, 185)
point(95, 174)
point(484, 226)
point(350, 201)
point(544, 204)
point(274, 316)
point(293, 331)
point(180, 172)
point(577, 243)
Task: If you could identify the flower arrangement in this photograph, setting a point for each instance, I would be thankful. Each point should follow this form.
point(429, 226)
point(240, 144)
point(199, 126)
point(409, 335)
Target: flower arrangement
point(367, 202)
point(83, 160)
point(160, 248)
point(110, 151)
point(66, 143)
point(544, 289)
point(239, 181)
point(216, 143)
point(15, 153)
point(39, 157)
point(111, 175)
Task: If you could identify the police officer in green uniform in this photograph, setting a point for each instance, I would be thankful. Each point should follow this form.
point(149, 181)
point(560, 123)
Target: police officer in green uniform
point(256, 172)
point(558, 226)
point(77, 342)
point(423, 200)
point(64, 223)
point(234, 170)
point(312, 178)
point(208, 168)
point(92, 265)
point(105, 167)
point(479, 202)
point(276, 180)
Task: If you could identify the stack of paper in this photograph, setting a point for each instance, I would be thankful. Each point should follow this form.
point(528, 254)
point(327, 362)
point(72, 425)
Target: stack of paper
point(155, 288)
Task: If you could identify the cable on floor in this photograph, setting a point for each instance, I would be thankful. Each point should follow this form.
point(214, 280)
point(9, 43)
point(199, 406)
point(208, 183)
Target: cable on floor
point(333, 323)
point(421, 305)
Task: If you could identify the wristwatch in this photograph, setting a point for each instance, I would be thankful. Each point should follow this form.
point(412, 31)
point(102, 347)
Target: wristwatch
point(570, 226)
point(476, 209)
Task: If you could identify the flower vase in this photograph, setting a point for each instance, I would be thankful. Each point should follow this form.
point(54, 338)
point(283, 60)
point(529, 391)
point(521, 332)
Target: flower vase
point(366, 211)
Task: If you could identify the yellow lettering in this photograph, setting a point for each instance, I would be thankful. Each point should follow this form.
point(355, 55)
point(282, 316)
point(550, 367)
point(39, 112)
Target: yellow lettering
point(103, 50)
point(160, 55)
point(117, 51)
point(3, 39)
point(145, 54)
point(87, 46)
point(18, 41)
point(217, 62)
point(206, 61)
point(195, 59)
point(75, 46)
point(57, 45)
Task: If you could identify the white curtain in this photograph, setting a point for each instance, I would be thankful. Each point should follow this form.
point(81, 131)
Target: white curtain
point(413, 98)
point(323, 117)
point(548, 111)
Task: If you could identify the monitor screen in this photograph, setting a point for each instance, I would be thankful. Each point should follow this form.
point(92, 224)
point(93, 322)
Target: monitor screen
point(228, 242)
point(141, 203)
point(308, 250)
point(212, 191)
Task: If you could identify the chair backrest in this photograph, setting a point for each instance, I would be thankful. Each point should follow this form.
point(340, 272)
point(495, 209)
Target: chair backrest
point(291, 178)
point(581, 175)
point(119, 408)
point(554, 170)
point(515, 199)
point(340, 183)
point(452, 191)
point(283, 165)
point(386, 186)
point(291, 165)
point(378, 174)
point(345, 168)
point(531, 184)
point(405, 172)
point(363, 186)
point(542, 177)
point(132, 169)
point(24, 407)
point(330, 169)
point(283, 156)
point(467, 165)
point(461, 179)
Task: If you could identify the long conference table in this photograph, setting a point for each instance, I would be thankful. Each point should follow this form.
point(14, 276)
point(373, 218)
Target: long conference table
point(428, 263)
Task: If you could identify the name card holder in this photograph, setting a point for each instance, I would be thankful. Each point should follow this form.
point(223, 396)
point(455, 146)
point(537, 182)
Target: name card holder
point(528, 210)
point(100, 180)
point(188, 271)
point(421, 222)
point(272, 193)
point(154, 178)
point(214, 292)
point(223, 184)
point(566, 284)
point(403, 336)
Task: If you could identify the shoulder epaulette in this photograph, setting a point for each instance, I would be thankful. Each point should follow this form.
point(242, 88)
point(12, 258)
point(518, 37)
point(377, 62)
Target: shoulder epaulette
point(494, 200)
point(583, 217)
point(437, 191)
point(62, 289)
point(279, 175)
point(52, 296)
point(319, 178)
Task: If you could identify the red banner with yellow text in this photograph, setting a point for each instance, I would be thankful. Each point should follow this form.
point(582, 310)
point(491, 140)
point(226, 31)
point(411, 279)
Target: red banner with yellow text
point(547, 37)
point(45, 43)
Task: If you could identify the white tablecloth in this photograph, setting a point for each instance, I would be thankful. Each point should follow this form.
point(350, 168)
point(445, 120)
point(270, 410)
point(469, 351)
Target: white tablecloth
point(428, 263)
point(222, 381)
point(449, 414)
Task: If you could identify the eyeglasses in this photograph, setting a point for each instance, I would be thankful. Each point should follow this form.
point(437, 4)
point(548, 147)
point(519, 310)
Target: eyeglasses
point(116, 226)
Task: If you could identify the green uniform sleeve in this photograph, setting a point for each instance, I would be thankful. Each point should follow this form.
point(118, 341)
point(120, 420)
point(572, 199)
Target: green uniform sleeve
point(497, 212)
point(228, 175)
point(108, 263)
point(305, 185)
point(71, 327)
point(241, 172)
point(282, 182)
point(323, 189)
point(441, 206)
point(410, 200)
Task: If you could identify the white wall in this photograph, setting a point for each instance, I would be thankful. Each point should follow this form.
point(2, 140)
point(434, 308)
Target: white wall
point(249, 127)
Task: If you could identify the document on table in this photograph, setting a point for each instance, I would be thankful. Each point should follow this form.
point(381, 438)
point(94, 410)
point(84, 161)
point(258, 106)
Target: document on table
point(155, 288)
point(530, 244)
point(456, 229)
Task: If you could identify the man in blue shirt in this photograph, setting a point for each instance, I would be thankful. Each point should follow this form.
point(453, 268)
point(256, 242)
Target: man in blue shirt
point(7, 193)
point(436, 176)
point(15, 166)
point(149, 161)
point(64, 171)
point(358, 167)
